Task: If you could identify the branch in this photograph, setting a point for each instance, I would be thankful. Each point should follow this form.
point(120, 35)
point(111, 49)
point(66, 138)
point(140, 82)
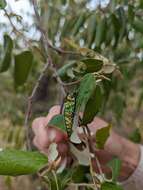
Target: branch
point(57, 76)
point(15, 30)
point(9, 18)
point(72, 83)
point(47, 45)
point(94, 178)
point(44, 33)
point(92, 151)
point(31, 99)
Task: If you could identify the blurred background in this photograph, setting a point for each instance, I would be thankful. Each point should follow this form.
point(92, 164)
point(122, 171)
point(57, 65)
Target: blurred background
point(113, 28)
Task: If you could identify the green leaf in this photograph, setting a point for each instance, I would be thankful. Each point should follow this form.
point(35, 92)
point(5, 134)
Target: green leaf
point(8, 46)
point(92, 65)
point(141, 4)
point(110, 186)
point(92, 107)
point(116, 22)
point(65, 177)
point(16, 162)
point(23, 64)
point(2, 4)
point(118, 105)
point(140, 101)
point(100, 32)
point(102, 136)
point(138, 25)
point(116, 27)
point(58, 121)
point(62, 72)
point(86, 88)
point(78, 175)
point(63, 2)
point(131, 13)
point(91, 30)
point(115, 165)
point(68, 26)
point(123, 21)
point(79, 24)
point(136, 136)
point(110, 32)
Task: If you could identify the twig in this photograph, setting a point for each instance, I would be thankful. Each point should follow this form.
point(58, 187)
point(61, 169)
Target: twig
point(90, 159)
point(56, 180)
point(15, 30)
point(52, 67)
point(44, 33)
point(31, 99)
point(99, 167)
point(27, 132)
point(9, 18)
point(72, 83)
point(47, 45)
point(91, 149)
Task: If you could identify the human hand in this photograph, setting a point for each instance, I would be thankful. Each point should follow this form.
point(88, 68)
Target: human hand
point(46, 135)
point(116, 145)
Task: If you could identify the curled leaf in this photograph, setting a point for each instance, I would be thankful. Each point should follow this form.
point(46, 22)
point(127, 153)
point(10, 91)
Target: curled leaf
point(81, 156)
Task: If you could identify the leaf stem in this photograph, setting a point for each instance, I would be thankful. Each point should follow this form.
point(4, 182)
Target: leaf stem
point(91, 149)
point(90, 159)
point(56, 180)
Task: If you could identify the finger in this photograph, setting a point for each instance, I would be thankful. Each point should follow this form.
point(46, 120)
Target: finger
point(35, 142)
point(48, 135)
point(41, 139)
point(114, 144)
point(62, 148)
point(38, 123)
point(56, 135)
point(40, 131)
point(96, 124)
point(55, 110)
point(43, 121)
point(38, 127)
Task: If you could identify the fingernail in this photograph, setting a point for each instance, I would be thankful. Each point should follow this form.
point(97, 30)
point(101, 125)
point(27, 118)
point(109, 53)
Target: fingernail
point(52, 136)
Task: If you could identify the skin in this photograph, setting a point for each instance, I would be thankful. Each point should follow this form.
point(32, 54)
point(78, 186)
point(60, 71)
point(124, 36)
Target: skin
point(116, 145)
